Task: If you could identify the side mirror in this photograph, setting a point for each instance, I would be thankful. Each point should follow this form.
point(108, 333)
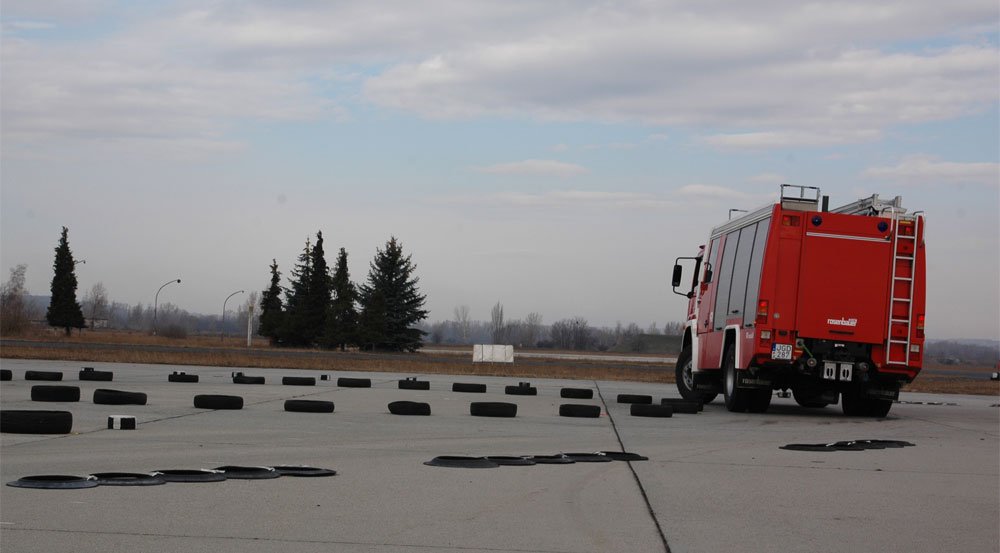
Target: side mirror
point(676, 281)
point(708, 275)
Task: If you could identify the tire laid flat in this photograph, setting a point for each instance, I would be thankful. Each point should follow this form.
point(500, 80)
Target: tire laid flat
point(576, 393)
point(43, 375)
point(634, 398)
point(646, 410)
point(468, 388)
point(308, 406)
point(35, 422)
point(55, 393)
point(118, 397)
point(345, 382)
point(411, 408)
point(492, 409)
point(579, 410)
point(211, 401)
point(298, 381)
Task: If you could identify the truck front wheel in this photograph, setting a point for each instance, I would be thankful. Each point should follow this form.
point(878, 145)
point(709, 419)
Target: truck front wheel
point(737, 400)
point(684, 375)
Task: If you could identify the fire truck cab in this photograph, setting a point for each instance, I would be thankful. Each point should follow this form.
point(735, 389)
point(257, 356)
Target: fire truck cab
point(795, 296)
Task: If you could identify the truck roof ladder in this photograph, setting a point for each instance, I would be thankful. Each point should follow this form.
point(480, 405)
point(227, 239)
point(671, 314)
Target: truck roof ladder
point(872, 206)
point(797, 198)
point(904, 263)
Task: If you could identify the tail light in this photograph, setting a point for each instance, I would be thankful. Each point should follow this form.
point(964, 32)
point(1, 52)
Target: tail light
point(790, 220)
point(762, 311)
point(920, 325)
point(906, 228)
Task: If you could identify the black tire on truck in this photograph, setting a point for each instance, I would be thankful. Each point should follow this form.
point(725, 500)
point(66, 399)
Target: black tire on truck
point(685, 379)
point(737, 399)
point(856, 405)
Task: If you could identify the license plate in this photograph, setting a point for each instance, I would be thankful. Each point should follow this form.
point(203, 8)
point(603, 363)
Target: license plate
point(781, 351)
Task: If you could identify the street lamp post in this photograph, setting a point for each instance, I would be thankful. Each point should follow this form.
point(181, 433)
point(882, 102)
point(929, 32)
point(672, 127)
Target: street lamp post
point(156, 301)
point(223, 337)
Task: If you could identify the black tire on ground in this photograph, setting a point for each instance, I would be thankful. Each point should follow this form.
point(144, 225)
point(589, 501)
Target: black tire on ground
point(181, 377)
point(298, 380)
point(492, 409)
point(345, 382)
point(308, 406)
point(414, 385)
point(244, 379)
point(737, 399)
point(55, 393)
point(576, 393)
point(520, 391)
point(414, 408)
point(35, 422)
point(468, 388)
point(54, 482)
point(99, 376)
point(248, 473)
point(127, 479)
point(43, 375)
point(579, 410)
point(658, 411)
point(210, 401)
point(303, 471)
point(6, 374)
point(634, 398)
point(190, 475)
point(685, 379)
point(118, 397)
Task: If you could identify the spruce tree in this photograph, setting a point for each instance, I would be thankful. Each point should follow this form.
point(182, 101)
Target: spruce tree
point(293, 332)
point(271, 308)
point(318, 303)
point(342, 319)
point(64, 311)
point(391, 304)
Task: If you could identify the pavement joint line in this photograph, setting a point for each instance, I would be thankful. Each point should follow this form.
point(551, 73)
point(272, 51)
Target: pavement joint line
point(635, 475)
point(284, 540)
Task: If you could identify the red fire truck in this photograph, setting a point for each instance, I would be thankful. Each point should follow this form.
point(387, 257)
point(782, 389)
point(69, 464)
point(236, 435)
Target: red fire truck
point(827, 303)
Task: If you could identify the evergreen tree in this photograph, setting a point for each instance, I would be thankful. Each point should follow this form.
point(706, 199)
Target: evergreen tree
point(320, 285)
point(271, 308)
point(293, 332)
point(342, 319)
point(391, 305)
point(64, 311)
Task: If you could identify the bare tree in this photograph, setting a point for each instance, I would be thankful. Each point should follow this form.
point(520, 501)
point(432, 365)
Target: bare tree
point(95, 302)
point(531, 329)
point(652, 328)
point(673, 328)
point(498, 329)
point(13, 303)
point(462, 323)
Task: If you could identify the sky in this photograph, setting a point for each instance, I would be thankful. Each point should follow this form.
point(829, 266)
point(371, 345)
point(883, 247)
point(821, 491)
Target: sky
point(553, 156)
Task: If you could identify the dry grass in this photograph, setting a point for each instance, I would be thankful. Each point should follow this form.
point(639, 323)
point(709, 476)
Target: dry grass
point(115, 347)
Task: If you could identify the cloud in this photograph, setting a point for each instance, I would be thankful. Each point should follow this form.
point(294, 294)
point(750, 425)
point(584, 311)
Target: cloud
point(565, 199)
point(920, 169)
point(535, 167)
point(769, 178)
point(711, 191)
point(786, 139)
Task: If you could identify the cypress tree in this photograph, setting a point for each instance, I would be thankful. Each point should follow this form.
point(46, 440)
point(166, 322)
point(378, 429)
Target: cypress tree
point(391, 304)
point(271, 308)
point(293, 331)
point(342, 319)
point(64, 311)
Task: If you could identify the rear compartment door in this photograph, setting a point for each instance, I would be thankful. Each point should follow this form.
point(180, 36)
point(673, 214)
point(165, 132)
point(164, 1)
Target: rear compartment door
point(844, 279)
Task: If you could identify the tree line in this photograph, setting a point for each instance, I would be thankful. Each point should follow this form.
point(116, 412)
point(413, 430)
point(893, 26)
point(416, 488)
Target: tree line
point(323, 307)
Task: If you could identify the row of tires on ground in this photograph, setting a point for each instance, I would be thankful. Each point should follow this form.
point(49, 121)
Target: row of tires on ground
point(163, 476)
point(61, 422)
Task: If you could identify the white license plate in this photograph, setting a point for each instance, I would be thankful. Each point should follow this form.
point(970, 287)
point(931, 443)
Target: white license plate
point(781, 351)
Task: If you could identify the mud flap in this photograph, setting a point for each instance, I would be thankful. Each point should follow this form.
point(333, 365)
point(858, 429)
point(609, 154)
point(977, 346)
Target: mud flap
point(744, 379)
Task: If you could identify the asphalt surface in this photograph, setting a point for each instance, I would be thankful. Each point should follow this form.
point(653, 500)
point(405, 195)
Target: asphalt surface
point(715, 481)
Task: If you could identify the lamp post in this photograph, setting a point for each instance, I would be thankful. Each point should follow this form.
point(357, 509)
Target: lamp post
point(156, 301)
point(223, 337)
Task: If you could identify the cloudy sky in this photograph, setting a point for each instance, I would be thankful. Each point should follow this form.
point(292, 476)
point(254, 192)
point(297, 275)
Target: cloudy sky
point(555, 156)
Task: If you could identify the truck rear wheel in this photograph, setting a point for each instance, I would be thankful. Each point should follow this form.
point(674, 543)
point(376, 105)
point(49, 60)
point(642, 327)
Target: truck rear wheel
point(760, 401)
point(684, 375)
point(737, 400)
point(856, 405)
